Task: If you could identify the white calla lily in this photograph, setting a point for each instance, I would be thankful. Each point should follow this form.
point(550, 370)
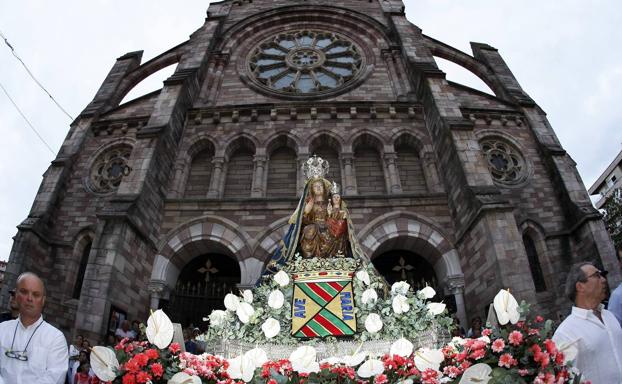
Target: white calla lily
point(331, 360)
point(244, 312)
point(436, 308)
point(371, 367)
point(427, 292)
point(242, 368)
point(281, 278)
point(257, 356)
point(232, 302)
point(247, 294)
point(400, 304)
point(363, 276)
point(402, 347)
point(271, 327)
point(184, 378)
point(426, 358)
point(400, 288)
point(369, 296)
point(373, 323)
point(217, 318)
point(354, 360)
point(104, 363)
point(476, 374)
point(276, 299)
point(303, 360)
point(506, 307)
point(159, 329)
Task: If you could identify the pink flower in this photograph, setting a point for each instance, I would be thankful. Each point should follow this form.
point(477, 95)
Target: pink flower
point(506, 360)
point(498, 345)
point(523, 372)
point(539, 319)
point(515, 338)
point(174, 348)
point(429, 376)
point(381, 379)
point(486, 332)
point(477, 354)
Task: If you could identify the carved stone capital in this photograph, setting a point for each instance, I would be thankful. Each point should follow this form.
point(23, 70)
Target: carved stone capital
point(455, 284)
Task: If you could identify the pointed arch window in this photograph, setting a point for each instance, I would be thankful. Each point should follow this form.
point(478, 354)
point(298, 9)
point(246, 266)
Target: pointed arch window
point(534, 263)
point(84, 260)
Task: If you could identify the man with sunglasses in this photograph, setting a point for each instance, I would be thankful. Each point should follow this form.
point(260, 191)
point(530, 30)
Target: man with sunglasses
point(31, 350)
point(591, 329)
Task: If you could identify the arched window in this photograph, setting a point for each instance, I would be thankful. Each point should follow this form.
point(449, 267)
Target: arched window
point(327, 147)
point(409, 165)
point(282, 172)
point(369, 173)
point(534, 263)
point(200, 175)
point(84, 261)
point(239, 174)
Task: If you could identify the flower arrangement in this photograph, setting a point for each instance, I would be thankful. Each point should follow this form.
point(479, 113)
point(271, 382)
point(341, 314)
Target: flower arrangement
point(518, 351)
point(263, 316)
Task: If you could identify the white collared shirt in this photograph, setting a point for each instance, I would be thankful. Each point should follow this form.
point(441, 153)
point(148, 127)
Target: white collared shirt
point(599, 344)
point(47, 353)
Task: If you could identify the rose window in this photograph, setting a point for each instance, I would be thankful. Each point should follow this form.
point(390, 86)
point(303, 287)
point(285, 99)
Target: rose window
point(109, 168)
point(305, 62)
point(504, 162)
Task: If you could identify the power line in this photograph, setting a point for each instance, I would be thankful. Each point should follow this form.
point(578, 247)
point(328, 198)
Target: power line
point(27, 121)
point(33, 76)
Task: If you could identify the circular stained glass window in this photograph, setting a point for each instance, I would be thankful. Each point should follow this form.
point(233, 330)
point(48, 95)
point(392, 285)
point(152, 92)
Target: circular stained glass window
point(108, 169)
point(505, 163)
point(305, 62)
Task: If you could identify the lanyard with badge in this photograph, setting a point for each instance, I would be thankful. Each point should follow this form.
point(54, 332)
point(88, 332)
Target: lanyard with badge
point(20, 355)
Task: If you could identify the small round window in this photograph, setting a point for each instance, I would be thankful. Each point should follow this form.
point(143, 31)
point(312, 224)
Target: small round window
point(505, 162)
point(305, 62)
point(108, 169)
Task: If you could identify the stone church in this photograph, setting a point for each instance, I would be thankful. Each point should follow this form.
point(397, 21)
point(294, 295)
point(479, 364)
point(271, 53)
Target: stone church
point(175, 198)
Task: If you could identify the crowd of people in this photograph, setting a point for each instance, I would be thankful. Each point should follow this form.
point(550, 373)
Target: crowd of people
point(34, 351)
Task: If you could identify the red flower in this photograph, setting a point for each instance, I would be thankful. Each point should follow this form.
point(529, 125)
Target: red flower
point(381, 379)
point(157, 369)
point(498, 345)
point(174, 348)
point(429, 376)
point(515, 338)
point(143, 377)
point(272, 381)
point(152, 354)
point(523, 372)
point(132, 366)
point(141, 359)
point(129, 379)
point(539, 319)
point(551, 348)
point(506, 360)
point(477, 354)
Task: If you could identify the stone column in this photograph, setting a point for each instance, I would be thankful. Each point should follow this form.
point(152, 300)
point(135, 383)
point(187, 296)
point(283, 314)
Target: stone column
point(259, 184)
point(214, 184)
point(157, 291)
point(455, 284)
point(395, 82)
point(430, 173)
point(303, 155)
point(349, 178)
point(392, 175)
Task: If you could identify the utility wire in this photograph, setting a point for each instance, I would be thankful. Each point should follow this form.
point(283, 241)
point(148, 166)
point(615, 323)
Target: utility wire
point(33, 76)
point(27, 121)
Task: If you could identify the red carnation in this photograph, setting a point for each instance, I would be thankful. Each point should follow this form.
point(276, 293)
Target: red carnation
point(152, 354)
point(157, 369)
point(515, 338)
point(129, 379)
point(174, 348)
point(141, 359)
point(143, 377)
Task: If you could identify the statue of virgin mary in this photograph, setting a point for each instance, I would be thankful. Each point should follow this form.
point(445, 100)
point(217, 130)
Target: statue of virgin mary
point(320, 227)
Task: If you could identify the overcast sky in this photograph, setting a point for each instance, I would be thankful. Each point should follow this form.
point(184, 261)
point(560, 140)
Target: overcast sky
point(566, 54)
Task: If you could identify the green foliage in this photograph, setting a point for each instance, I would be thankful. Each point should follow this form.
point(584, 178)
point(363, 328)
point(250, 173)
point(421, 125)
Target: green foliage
point(613, 217)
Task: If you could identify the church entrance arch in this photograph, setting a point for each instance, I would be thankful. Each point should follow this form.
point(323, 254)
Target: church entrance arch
point(201, 287)
point(428, 256)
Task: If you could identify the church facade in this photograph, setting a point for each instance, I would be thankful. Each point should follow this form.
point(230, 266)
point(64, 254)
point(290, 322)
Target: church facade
point(180, 196)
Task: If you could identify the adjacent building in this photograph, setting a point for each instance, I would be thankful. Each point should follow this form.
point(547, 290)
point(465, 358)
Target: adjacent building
point(608, 181)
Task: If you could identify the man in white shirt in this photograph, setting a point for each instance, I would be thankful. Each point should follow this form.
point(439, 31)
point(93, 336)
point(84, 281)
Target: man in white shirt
point(31, 350)
point(593, 330)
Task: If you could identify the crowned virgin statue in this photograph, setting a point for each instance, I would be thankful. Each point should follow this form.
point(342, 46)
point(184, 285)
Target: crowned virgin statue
point(320, 227)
